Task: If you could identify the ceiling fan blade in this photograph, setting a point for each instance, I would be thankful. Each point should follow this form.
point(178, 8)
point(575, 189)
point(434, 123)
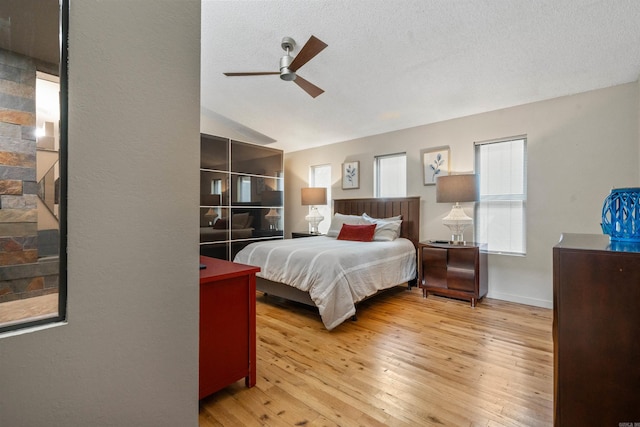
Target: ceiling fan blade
point(259, 73)
point(310, 88)
point(312, 47)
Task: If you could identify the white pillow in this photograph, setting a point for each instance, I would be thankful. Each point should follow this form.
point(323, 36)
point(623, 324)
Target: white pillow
point(387, 229)
point(391, 218)
point(339, 219)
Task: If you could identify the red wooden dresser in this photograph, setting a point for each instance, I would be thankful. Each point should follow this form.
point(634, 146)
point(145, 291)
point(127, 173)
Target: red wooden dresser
point(227, 324)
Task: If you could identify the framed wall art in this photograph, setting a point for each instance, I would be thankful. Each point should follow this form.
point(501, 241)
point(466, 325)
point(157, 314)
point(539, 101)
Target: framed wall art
point(435, 163)
point(350, 175)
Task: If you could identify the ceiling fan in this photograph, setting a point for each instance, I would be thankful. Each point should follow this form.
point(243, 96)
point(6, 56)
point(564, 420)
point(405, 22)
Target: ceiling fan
point(289, 65)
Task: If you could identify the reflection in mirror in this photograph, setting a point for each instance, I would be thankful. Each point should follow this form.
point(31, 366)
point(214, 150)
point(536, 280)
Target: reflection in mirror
point(48, 149)
point(32, 113)
point(243, 191)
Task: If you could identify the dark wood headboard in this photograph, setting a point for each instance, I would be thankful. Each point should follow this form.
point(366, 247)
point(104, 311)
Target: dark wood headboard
point(408, 207)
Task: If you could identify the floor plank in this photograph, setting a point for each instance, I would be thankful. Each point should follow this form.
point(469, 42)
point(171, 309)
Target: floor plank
point(406, 361)
point(28, 309)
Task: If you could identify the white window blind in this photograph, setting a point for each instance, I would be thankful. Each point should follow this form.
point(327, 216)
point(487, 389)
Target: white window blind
point(391, 175)
point(244, 189)
point(501, 212)
point(320, 176)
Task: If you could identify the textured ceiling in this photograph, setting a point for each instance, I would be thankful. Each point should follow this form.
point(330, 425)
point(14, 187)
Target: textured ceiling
point(397, 64)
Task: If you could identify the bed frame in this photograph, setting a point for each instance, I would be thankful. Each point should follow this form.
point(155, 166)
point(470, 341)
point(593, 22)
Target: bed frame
point(408, 207)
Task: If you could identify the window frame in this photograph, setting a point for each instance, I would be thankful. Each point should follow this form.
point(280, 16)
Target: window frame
point(243, 189)
point(377, 175)
point(61, 316)
point(515, 197)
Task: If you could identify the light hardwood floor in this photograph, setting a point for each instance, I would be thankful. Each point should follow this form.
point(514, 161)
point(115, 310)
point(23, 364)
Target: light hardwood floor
point(406, 361)
point(28, 309)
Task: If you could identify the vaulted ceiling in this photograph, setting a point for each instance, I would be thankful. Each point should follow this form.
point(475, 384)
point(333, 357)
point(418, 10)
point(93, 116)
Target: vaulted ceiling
point(391, 64)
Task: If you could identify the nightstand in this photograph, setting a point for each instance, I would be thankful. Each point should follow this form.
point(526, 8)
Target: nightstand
point(458, 271)
point(298, 234)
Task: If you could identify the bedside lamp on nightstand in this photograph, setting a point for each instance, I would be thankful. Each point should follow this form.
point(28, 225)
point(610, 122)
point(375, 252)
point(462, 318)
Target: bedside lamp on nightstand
point(211, 215)
point(272, 199)
point(211, 200)
point(314, 196)
point(456, 189)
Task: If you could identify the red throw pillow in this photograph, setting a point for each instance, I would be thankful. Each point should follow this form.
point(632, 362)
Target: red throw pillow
point(357, 233)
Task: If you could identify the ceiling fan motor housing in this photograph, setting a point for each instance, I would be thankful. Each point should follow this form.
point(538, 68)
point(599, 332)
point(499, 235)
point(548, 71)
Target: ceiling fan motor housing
point(285, 72)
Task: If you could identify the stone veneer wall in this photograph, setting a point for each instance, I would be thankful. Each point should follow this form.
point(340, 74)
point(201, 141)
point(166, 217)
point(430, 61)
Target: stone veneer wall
point(21, 275)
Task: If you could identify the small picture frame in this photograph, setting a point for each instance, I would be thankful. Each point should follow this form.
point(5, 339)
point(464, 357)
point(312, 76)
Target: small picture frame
point(350, 175)
point(435, 163)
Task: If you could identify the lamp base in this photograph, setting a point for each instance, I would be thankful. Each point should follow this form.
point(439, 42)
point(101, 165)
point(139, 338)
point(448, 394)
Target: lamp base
point(457, 221)
point(273, 217)
point(457, 239)
point(314, 219)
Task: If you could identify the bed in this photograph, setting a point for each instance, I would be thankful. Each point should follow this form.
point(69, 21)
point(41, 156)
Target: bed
point(337, 274)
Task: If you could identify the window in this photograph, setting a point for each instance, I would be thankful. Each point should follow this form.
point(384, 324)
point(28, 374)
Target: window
point(320, 176)
point(216, 186)
point(390, 175)
point(500, 213)
point(33, 194)
point(244, 189)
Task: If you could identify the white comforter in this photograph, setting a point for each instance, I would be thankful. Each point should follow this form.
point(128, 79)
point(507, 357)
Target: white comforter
point(336, 273)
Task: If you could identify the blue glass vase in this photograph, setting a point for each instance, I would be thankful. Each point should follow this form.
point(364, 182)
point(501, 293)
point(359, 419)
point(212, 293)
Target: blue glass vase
point(621, 215)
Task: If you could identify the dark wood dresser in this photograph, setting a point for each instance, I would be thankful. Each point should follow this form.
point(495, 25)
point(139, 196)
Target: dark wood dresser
point(458, 271)
point(227, 324)
point(596, 331)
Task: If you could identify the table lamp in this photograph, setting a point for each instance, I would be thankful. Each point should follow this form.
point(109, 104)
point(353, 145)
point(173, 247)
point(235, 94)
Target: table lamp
point(313, 196)
point(273, 200)
point(456, 189)
point(211, 215)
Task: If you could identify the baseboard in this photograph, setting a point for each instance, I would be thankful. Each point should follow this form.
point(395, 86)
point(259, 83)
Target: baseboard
point(521, 300)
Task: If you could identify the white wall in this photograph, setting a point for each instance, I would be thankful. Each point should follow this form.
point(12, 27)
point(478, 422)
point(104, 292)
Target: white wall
point(129, 353)
point(579, 147)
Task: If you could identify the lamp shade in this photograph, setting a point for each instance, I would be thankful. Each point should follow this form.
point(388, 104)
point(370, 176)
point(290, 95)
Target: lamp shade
point(457, 188)
point(314, 196)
